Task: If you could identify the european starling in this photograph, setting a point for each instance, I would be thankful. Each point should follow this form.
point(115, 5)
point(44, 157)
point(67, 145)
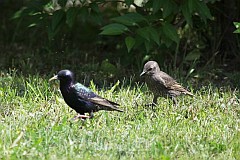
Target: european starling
point(81, 98)
point(161, 84)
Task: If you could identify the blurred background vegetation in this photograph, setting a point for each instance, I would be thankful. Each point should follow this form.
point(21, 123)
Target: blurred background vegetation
point(109, 39)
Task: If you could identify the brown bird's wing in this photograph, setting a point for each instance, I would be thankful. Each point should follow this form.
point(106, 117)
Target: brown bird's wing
point(164, 79)
point(170, 83)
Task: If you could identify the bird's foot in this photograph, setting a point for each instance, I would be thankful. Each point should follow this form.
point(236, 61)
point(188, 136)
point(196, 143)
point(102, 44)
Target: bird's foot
point(80, 116)
point(91, 115)
point(150, 104)
point(153, 105)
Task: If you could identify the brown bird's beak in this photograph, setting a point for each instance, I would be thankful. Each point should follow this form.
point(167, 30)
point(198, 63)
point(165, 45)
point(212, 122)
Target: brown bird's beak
point(142, 73)
point(53, 78)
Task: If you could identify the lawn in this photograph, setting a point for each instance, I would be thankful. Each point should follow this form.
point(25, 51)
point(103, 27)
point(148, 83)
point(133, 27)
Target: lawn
point(36, 123)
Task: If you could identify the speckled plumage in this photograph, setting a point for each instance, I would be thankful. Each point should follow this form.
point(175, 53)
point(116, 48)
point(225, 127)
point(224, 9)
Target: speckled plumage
point(160, 83)
point(81, 98)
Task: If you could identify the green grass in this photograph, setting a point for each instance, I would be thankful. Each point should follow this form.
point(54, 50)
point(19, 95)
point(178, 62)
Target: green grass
point(36, 124)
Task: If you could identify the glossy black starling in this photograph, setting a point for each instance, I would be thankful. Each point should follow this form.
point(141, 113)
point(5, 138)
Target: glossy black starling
point(81, 98)
point(161, 84)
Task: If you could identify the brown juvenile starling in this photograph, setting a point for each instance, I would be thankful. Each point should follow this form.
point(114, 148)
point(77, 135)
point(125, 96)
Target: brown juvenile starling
point(161, 84)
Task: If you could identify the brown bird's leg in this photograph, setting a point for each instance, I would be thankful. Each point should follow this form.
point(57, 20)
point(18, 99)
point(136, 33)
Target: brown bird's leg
point(174, 100)
point(75, 117)
point(80, 116)
point(154, 103)
point(155, 100)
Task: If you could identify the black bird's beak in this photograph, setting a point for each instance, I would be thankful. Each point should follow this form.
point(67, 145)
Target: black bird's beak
point(53, 78)
point(142, 73)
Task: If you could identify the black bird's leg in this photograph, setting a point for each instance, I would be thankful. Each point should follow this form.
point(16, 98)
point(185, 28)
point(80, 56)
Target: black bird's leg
point(91, 115)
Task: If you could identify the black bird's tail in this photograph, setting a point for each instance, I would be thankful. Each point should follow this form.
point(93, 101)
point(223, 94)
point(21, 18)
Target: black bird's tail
point(105, 104)
point(113, 103)
point(115, 106)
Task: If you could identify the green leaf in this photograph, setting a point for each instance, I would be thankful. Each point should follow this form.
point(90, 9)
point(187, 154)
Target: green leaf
point(19, 13)
point(237, 31)
point(139, 41)
point(129, 41)
point(171, 32)
point(113, 29)
point(130, 19)
point(56, 23)
point(168, 8)
point(191, 5)
point(187, 13)
point(32, 25)
point(71, 16)
point(57, 18)
point(193, 55)
point(129, 2)
point(149, 33)
point(237, 25)
point(84, 13)
point(148, 46)
point(165, 40)
point(62, 2)
point(143, 32)
point(202, 8)
point(94, 7)
point(157, 4)
point(96, 18)
point(154, 34)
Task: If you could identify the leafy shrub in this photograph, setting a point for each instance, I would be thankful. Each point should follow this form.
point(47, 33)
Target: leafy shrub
point(153, 28)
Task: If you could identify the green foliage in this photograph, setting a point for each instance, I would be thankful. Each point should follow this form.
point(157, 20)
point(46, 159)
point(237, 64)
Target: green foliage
point(130, 19)
point(114, 29)
point(130, 42)
point(153, 24)
point(237, 25)
point(59, 17)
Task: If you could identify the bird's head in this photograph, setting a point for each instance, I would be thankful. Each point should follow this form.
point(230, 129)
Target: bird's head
point(65, 76)
point(150, 68)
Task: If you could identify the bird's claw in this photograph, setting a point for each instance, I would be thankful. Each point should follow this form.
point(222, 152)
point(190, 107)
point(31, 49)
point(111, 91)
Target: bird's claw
point(150, 104)
point(80, 116)
point(153, 105)
point(91, 115)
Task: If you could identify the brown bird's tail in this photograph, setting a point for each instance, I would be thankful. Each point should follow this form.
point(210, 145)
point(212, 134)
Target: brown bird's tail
point(181, 89)
point(188, 93)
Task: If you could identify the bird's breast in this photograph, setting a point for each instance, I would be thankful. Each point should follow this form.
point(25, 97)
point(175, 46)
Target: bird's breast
point(155, 86)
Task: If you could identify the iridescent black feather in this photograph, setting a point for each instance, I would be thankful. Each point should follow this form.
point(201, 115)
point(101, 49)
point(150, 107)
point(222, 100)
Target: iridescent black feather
point(80, 98)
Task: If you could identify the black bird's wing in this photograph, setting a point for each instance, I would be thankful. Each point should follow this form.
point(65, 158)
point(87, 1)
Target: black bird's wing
point(87, 94)
point(102, 101)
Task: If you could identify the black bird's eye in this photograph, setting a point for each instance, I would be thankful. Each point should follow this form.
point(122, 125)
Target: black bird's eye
point(149, 69)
